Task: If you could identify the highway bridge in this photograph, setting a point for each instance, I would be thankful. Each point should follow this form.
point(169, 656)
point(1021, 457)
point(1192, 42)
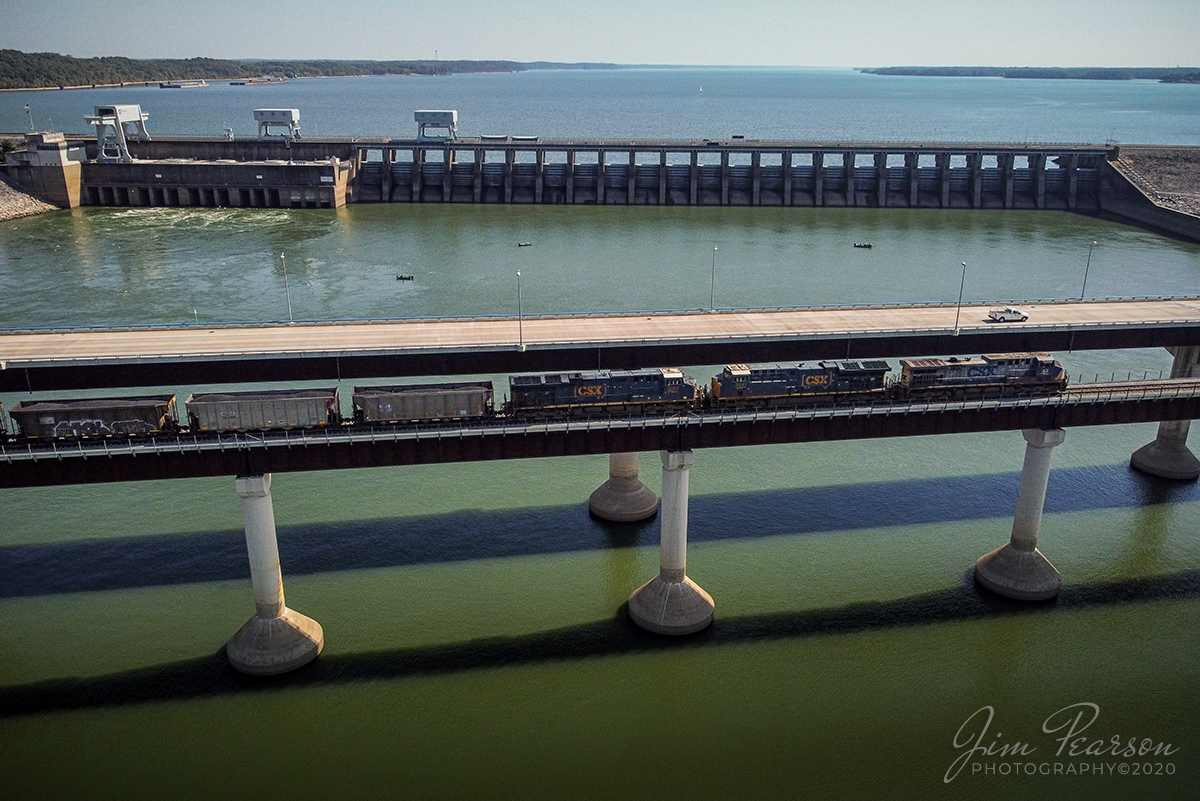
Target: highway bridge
point(187, 456)
point(41, 360)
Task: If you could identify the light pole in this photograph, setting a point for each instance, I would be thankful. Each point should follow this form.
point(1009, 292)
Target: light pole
point(287, 290)
point(958, 310)
point(520, 323)
point(712, 290)
point(1085, 269)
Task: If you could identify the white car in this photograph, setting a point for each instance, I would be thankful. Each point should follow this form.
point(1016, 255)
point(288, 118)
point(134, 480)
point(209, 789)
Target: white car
point(1007, 315)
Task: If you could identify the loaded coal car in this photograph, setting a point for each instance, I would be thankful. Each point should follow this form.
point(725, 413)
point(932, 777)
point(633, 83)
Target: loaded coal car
point(649, 391)
point(94, 418)
point(990, 374)
point(466, 400)
point(264, 410)
point(757, 385)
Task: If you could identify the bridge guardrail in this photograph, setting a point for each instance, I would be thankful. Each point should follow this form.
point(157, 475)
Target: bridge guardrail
point(1173, 389)
point(187, 326)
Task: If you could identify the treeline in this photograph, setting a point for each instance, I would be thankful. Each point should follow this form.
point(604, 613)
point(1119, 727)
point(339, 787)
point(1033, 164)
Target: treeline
point(1163, 74)
point(19, 70)
point(1181, 77)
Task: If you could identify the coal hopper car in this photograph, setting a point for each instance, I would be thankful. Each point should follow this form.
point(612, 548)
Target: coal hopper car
point(458, 401)
point(94, 418)
point(264, 410)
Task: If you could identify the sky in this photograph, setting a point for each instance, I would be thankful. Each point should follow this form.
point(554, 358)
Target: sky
point(818, 33)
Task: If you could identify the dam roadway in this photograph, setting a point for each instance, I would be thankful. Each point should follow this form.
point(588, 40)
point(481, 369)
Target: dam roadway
point(42, 360)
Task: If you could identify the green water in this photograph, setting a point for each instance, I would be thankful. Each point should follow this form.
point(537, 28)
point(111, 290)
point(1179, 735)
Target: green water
point(849, 645)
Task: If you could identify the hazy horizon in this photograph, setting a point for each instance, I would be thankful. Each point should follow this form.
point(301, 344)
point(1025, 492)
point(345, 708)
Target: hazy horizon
point(755, 33)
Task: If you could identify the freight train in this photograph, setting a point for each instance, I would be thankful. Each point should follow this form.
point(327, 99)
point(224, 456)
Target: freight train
point(599, 393)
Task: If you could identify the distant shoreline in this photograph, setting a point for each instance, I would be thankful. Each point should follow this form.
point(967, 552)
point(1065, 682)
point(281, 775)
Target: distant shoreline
point(1160, 74)
point(35, 71)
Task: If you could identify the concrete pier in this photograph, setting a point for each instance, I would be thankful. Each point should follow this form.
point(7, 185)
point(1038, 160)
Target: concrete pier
point(1018, 569)
point(276, 639)
point(1168, 455)
point(623, 498)
point(671, 603)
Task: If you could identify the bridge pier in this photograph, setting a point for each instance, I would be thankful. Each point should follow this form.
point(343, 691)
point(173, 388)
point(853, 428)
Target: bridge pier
point(623, 498)
point(975, 169)
point(1168, 456)
point(418, 174)
point(942, 161)
point(694, 179)
point(671, 603)
point(912, 165)
point(849, 183)
point(663, 192)
point(1019, 570)
point(276, 639)
point(880, 180)
point(786, 163)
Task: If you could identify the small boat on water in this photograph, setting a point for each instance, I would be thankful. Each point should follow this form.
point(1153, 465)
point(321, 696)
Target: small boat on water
point(258, 81)
point(405, 277)
point(182, 84)
point(524, 244)
point(867, 245)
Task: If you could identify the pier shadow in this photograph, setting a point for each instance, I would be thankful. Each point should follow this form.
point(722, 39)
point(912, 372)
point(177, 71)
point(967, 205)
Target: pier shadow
point(113, 564)
point(211, 676)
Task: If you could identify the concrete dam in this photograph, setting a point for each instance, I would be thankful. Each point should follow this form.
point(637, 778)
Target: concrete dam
point(730, 172)
point(287, 171)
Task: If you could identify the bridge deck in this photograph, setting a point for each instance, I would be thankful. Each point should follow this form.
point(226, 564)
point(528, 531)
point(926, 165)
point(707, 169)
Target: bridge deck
point(307, 340)
point(29, 464)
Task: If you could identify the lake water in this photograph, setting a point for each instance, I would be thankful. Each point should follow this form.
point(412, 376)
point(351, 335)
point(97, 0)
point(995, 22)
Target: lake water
point(476, 645)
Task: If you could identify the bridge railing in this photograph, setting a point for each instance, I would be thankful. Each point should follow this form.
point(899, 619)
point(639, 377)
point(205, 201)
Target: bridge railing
point(1123, 392)
point(231, 324)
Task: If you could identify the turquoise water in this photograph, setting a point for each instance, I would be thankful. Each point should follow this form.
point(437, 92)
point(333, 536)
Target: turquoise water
point(476, 645)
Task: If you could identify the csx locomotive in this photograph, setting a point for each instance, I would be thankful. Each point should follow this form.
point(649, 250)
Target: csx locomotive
point(650, 391)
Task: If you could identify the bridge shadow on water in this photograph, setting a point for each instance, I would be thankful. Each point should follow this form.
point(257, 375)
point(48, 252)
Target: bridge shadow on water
point(211, 676)
point(95, 565)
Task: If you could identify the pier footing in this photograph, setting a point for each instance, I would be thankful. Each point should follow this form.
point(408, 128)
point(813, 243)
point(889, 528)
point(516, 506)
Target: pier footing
point(671, 607)
point(1023, 575)
point(1166, 458)
point(268, 646)
point(623, 498)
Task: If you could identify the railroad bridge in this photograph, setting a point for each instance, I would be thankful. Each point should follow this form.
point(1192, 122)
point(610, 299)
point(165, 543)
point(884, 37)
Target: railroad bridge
point(277, 639)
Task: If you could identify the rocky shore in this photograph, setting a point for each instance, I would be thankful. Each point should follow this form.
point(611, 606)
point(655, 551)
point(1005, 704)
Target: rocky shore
point(15, 202)
point(1169, 176)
